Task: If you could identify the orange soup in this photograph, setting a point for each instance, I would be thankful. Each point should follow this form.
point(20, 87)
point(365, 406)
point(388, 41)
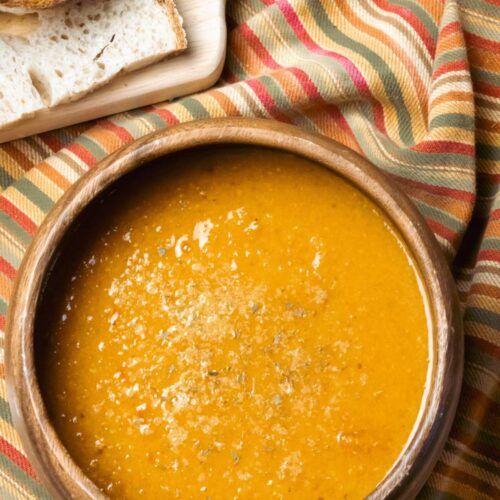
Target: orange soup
point(233, 322)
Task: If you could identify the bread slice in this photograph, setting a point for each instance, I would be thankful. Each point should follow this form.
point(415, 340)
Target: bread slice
point(31, 4)
point(18, 97)
point(82, 44)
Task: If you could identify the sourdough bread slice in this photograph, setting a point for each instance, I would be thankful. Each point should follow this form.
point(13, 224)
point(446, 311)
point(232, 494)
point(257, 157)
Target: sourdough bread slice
point(18, 97)
point(81, 45)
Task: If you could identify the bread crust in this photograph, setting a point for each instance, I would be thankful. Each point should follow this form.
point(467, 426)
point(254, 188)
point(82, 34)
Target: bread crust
point(176, 23)
point(31, 4)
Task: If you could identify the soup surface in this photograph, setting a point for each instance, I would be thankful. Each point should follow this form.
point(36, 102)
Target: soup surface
point(234, 323)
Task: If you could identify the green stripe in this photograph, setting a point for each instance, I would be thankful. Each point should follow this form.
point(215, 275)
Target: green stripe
point(389, 81)
point(5, 413)
point(155, 121)
point(5, 178)
point(483, 30)
point(131, 122)
point(279, 97)
point(3, 307)
point(481, 74)
point(458, 120)
point(483, 7)
point(236, 68)
point(34, 194)
point(451, 55)
point(15, 229)
point(483, 316)
point(196, 109)
point(490, 244)
point(92, 147)
point(9, 256)
point(34, 487)
point(441, 216)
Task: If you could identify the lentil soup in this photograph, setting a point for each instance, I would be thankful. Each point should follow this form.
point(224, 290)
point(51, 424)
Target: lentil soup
point(233, 322)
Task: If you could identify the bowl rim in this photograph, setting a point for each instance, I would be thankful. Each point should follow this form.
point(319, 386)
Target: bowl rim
point(60, 474)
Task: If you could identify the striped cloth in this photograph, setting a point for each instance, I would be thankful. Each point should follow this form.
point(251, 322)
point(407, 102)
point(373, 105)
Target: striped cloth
point(413, 85)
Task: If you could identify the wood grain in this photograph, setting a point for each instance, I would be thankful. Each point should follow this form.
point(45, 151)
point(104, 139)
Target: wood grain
point(194, 70)
point(61, 475)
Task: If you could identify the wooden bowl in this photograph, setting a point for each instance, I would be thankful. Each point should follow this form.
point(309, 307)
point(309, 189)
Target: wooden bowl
point(58, 471)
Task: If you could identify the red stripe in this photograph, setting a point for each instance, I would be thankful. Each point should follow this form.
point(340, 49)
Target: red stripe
point(495, 214)
point(450, 29)
point(52, 141)
point(489, 177)
point(267, 100)
point(15, 456)
point(19, 217)
point(2, 322)
point(483, 43)
point(7, 269)
point(438, 190)
point(441, 230)
point(359, 81)
point(307, 84)
point(257, 47)
point(489, 255)
point(166, 115)
point(476, 343)
point(450, 66)
point(445, 147)
point(412, 20)
point(487, 88)
point(82, 153)
point(122, 133)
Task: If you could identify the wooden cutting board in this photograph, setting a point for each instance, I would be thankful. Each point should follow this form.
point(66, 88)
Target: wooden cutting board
point(196, 69)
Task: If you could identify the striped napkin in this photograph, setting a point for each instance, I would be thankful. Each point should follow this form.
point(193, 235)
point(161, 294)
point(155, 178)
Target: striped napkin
point(413, 85)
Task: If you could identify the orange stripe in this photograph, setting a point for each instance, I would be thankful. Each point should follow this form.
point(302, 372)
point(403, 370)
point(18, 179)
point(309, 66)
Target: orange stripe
point(225, 103)
point(54, 175)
